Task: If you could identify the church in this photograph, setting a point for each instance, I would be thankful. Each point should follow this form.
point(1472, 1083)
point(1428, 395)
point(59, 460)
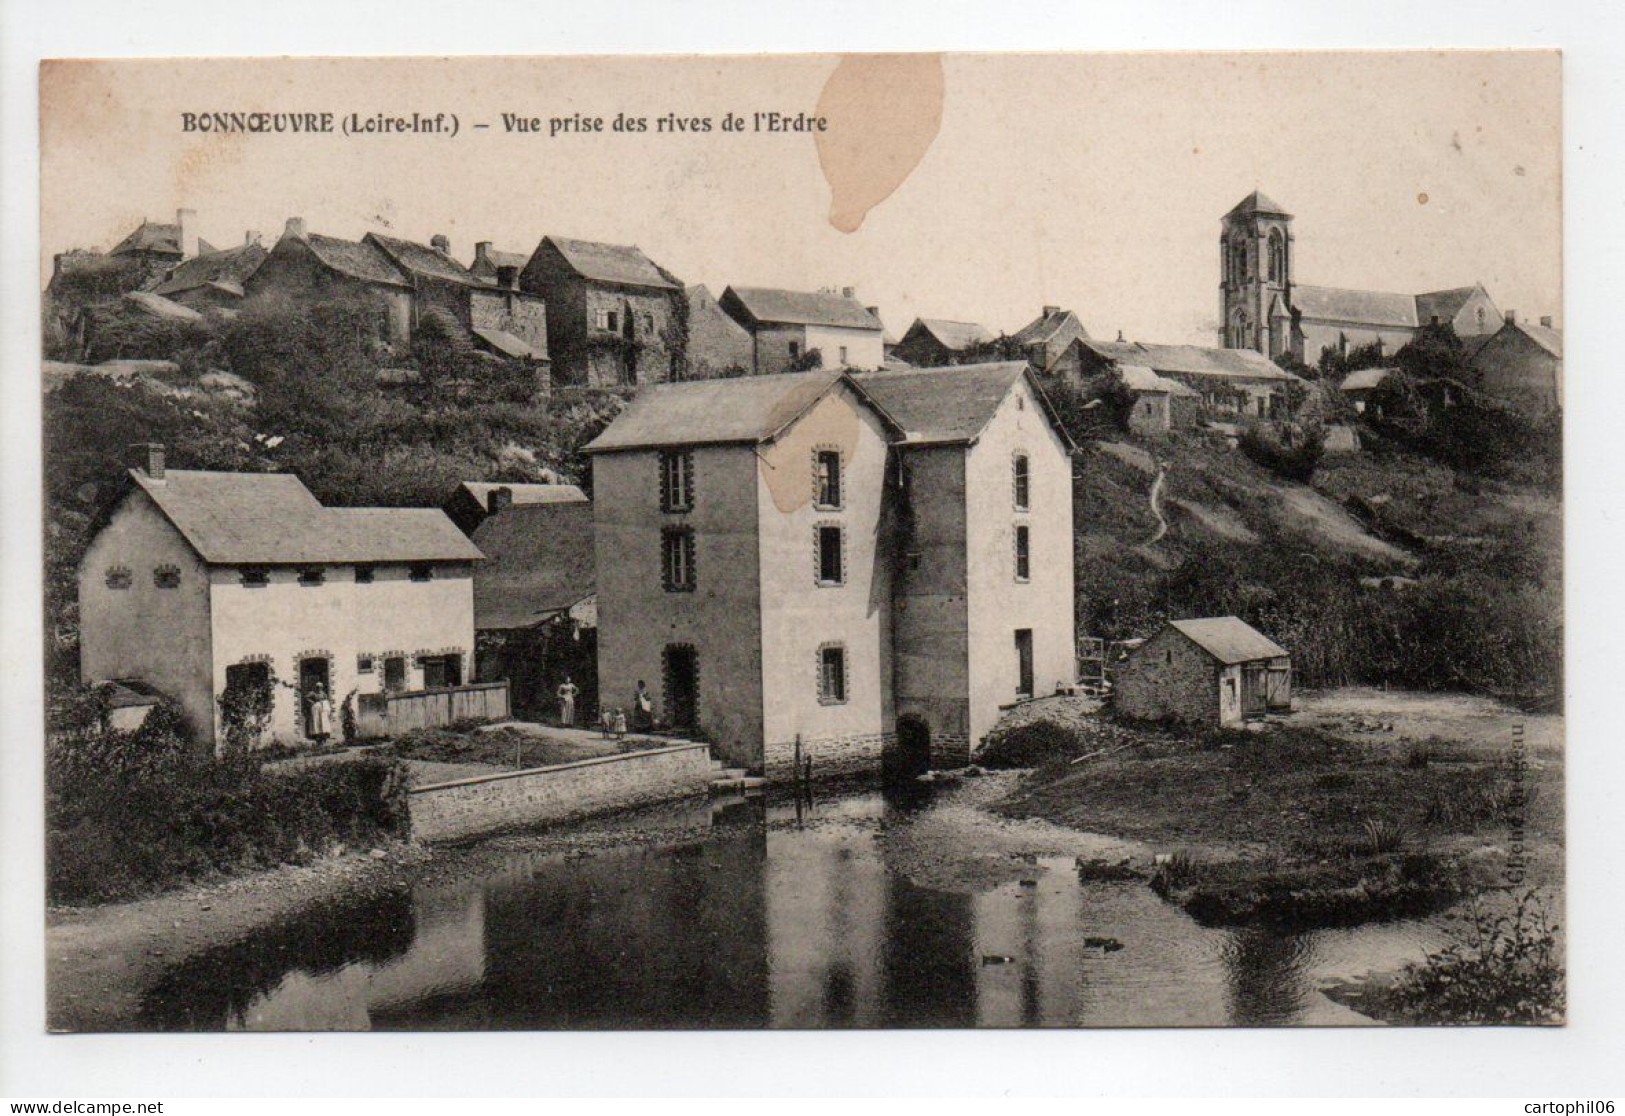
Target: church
point(1264, 309)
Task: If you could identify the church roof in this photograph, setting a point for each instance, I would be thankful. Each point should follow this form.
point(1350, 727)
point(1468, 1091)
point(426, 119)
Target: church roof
point(1444, 305)
point(1370, 308)
point(1258, 202)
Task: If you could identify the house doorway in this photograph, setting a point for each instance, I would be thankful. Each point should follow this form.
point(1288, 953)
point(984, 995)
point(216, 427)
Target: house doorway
point(1254, 690)
point(1024, 662)
point(911, 758)
point(442, 670)
point(313, 674)
point(682, 665)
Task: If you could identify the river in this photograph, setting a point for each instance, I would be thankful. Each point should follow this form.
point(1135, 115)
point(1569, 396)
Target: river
point(861, 909)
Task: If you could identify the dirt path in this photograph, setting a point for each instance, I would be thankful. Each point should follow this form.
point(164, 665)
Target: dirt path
point(1156, 506)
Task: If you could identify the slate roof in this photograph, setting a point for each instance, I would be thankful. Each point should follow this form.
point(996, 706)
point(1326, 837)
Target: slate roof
point(611, 263)
point(1229, 639)
point(498, 259)
point(1194, 360)
point(421, 259)
point(525, 494)
point(160, 307)
point(1443, 304)
point(747, 410)
point(359, 259)
point(953, 336)
point(272, 518)
point(1258, 202)
point(1364, 379)
point(539, 559)
point(937, 406)
point(771, 305)
point(1545, 336)
point(219, 269)
point(150, 236)
point(1372, 308)
point(1046, 326)
point(509, 344)
point(1137, 377)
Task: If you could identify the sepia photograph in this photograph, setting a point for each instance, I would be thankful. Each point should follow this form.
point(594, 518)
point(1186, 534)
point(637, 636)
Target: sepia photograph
point(803, 541)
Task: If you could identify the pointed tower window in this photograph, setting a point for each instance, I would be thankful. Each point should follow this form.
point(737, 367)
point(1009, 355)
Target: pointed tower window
point(1277, 257)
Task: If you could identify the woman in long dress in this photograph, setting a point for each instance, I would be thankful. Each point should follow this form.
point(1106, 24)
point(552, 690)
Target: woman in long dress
point(321, 715)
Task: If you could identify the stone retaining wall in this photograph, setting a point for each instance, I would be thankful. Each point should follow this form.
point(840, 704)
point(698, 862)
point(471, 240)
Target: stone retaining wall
point(831, 756)
point(563, 792)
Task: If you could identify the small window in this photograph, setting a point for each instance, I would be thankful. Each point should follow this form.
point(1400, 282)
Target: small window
point(677, 559)
point(676, 481)
point(119, 577)
point(1023, 483)
point(421, 571)
point(395, 673)
point(827, 478)
point(649, 322)
point(832, 674)
point(364, 574)
point(256, 577)
point(831, 567)
point(167, 577)
point(365, 664)
point(795, 349)
point(1023, 554)
point(612, 320)
point(312, 575)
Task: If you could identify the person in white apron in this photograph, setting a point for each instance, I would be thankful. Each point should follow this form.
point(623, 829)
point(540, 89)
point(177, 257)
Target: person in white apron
point(321, 715)
point(567, 702)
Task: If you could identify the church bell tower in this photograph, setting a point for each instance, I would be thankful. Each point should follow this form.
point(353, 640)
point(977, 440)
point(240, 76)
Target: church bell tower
point(1255, 277)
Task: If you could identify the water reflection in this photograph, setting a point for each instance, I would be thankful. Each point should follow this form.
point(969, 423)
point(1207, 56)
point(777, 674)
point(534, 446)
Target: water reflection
point(770, 918)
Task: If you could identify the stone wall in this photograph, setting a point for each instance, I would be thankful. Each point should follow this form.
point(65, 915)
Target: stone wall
point(831, 755)
point(485, 804)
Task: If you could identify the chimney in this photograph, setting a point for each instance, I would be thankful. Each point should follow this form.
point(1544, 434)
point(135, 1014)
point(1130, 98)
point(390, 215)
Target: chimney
point(295, 228)
point(1512, 317)
point(500, 498)
point(187, 220)
point(148, 457)
point(440, 242)
point(1048, 310)
point(481, 252)
point(848, 292)
point(1120, 339)
point(1546, 320)
point(252, 236)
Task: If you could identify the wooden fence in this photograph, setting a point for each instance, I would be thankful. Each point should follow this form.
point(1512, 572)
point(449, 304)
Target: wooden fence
point(394, 713)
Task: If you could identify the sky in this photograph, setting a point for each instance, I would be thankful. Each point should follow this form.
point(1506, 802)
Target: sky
point(1090, 181)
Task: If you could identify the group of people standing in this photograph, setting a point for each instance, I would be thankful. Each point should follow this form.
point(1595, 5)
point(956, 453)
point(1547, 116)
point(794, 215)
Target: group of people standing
point(612, 720)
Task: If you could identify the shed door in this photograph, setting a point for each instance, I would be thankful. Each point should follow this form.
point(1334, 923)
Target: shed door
point(1278, 694)
point(1254, 689)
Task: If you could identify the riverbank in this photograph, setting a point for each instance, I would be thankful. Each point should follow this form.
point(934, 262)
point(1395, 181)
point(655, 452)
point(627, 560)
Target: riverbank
point(1338, 817)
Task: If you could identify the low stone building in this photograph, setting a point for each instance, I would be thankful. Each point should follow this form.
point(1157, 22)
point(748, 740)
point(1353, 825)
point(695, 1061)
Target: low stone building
point(1522, 363)
point(1154, 408)
point(1050, 342)
point(213, 280)
point(304, 268)
point(200, 583)
point(930, 342)
point(473, 501)
point(1232, 383)
point(1211, 671)
point(786, 326)
point(717, 345)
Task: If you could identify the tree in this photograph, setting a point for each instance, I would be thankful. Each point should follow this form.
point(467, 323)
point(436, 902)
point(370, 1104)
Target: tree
point(806, 362)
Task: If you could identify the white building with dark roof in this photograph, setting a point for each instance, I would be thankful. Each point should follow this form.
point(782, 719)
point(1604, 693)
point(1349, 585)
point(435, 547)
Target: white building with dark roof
point(786, 326)
point(200, 581)
point(1262, 307)
point(849, 568)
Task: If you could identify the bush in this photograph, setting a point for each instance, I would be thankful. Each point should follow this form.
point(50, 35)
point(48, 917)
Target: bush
point(1030, 745)
point(1289, 450)
point(1508, 973)
point(129, 814)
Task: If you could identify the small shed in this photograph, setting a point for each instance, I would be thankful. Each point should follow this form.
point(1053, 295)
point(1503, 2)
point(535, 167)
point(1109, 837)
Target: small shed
point(1215, 670)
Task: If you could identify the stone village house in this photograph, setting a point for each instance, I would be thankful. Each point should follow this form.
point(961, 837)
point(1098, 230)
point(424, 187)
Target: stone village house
point(936, 341)
point(851, 568)
point(473, 501)
point(787, 325)
point(1049, 341)
point(1522, 363)
point(612, 312)
point(196, 581)
point(1212, 671)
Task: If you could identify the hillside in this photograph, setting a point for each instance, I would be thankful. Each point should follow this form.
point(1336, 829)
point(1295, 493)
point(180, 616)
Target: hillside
point(1389, 569)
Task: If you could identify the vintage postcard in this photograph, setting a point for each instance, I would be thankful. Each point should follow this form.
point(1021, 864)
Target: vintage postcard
point(804, 541)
